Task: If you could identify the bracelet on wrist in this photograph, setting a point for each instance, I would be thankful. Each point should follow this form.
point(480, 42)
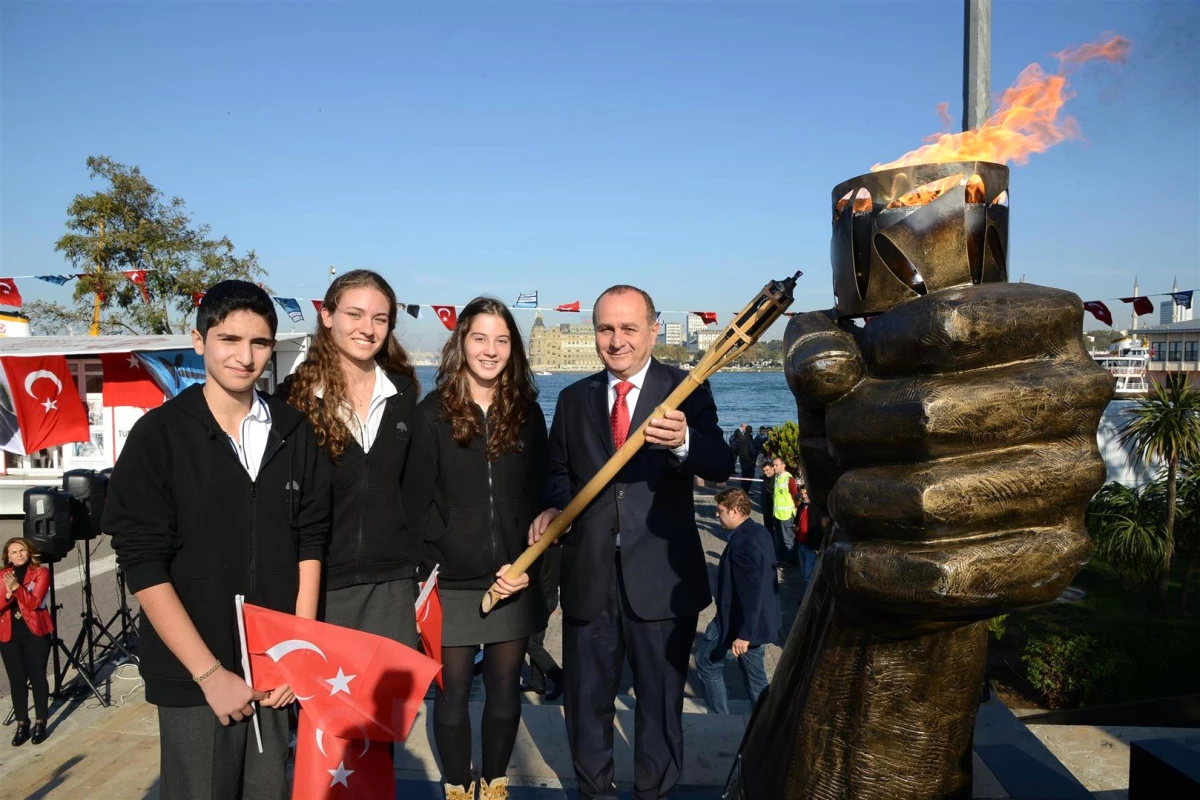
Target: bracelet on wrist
point(211, 671)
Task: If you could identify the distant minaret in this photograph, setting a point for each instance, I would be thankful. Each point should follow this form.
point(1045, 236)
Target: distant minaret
point(1135, 294)
point(1176, 309)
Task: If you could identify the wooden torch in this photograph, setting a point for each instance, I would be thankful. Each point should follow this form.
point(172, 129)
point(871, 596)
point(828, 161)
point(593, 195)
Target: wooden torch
point(745, 329)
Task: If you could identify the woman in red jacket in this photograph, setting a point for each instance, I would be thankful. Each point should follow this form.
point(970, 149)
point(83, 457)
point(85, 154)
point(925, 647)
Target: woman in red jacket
point(25, 628)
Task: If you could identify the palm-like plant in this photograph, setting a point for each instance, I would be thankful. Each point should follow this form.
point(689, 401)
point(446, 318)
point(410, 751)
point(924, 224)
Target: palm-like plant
point(1165, 427)
point(1126, 526)
point(1187, 526)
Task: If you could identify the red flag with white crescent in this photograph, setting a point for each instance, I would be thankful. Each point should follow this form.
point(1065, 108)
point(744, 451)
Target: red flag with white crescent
point(317, 304)
point(355, 685)
point(573, 306)
point(447, 315)
point(138, 277)
point(1099, 310)
point(46, 409)
point(707, 317)
point(329, 767)
point(9, 296)
point(128, 383)
point(429, 620)
point(196, 298)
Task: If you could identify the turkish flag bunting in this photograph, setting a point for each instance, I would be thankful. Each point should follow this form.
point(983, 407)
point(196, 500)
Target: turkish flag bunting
point(568, 306)
point(1141, 305)
point(196, 298)
point(138, 276)
point(127, 383)
point(1099, 311)
point(329, 767)
point(355, 685)
point(9, 296)
point(447, 315)
point(707, 317)
point(49, 411)
point(429, 621)
point(317, 304)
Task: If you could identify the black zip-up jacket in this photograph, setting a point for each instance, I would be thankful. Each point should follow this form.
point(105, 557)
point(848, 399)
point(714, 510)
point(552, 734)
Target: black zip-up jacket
point(370, 541)
point(182, 510)
point(474, 514)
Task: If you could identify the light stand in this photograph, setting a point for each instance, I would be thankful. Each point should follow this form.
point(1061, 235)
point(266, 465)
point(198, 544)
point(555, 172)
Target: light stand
point(57, 648)
point(127, 639)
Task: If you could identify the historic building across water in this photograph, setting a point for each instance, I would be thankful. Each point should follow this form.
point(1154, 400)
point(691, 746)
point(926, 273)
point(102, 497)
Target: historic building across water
point(563, 348)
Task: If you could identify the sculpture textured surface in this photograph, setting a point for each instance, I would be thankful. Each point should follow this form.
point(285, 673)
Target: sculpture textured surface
point(952, 443)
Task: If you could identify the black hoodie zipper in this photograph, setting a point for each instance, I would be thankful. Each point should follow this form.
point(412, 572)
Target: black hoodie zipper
point(254, 509)
point(491, 493)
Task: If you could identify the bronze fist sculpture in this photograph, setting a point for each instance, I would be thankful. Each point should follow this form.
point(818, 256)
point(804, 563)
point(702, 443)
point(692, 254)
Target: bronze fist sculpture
point(951, 441)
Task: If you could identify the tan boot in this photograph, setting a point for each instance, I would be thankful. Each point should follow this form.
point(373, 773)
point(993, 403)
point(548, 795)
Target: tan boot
point(496, 790)
point(459, 793)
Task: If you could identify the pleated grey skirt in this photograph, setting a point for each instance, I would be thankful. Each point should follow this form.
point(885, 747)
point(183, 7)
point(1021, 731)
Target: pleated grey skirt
point(384, 609)
point(464, 625)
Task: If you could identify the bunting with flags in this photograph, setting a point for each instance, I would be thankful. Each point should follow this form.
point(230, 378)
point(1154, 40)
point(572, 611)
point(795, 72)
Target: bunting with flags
point(1182, 299)
point(707, 317)
point(317, 304)
point(526, 300)
point(1141, 304)
point(413, 311)
point(138, 278)
point(292, 306)
point(197, 297)
point(447, 314)
point(1099, 310)
point(572, 307)
point(57, 280)
point(9, 295)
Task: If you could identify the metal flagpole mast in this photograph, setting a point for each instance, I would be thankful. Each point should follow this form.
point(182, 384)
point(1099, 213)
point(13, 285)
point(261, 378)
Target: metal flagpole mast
point(977, 62)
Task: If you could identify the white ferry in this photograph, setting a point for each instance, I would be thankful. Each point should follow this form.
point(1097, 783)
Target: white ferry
point(1127, 359)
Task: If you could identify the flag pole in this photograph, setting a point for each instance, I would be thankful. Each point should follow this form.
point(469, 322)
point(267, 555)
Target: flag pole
point(745, 329)
point(238, 600)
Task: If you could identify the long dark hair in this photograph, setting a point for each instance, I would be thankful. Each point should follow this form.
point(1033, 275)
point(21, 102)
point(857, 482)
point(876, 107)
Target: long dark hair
point(515, 388)
point(321, 368)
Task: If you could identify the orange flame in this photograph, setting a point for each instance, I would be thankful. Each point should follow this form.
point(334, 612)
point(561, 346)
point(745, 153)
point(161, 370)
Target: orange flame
point(1026, 121)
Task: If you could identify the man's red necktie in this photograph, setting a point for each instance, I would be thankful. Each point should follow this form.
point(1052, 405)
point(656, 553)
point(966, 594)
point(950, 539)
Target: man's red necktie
point(619, 418)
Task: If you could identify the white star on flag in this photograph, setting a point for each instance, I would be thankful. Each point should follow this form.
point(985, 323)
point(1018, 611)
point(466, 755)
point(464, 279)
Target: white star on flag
point(340, 774)
point(340, 682)
point(49, 405)
point(133, 362)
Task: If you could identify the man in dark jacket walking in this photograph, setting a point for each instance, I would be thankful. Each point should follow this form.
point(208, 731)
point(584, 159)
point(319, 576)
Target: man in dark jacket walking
point(219, 492)
point(748, 615)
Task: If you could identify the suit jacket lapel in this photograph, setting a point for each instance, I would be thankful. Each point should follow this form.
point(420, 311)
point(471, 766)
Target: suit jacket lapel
point(655, 389)
point(599, 412)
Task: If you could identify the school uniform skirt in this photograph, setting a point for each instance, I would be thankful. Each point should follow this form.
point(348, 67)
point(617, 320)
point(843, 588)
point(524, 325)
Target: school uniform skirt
point(516, 617)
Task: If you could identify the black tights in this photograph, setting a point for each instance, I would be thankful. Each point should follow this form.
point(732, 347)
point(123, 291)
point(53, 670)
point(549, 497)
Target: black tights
point(502, 663)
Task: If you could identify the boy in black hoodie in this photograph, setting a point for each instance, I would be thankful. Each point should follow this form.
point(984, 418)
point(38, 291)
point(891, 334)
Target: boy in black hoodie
point(219, 492)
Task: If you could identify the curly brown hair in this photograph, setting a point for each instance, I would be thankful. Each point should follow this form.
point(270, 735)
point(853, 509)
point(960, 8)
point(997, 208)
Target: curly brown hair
point(322, 369)
point(29, 547)
point(515, 388)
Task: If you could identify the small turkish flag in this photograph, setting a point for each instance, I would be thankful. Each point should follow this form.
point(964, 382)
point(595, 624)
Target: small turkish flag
point(128, 383)
point(429, 620)
point(138, 276)
point(196, 298)
point(1099, 311)
point(317, 304)
point(1141, 305)
point(329, 767)
point(355, 685)
point(49, 411)
point(447, 315)
point(9, 296)
point(707, 317)
point(568, 306)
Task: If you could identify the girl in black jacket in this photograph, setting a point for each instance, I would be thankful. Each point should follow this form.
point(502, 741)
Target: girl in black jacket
point(474, 484)
point(359, 391)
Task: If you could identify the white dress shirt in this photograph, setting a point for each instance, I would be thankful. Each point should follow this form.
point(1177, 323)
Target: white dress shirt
point(365, 430)
point(631, 400)
point(253, 433)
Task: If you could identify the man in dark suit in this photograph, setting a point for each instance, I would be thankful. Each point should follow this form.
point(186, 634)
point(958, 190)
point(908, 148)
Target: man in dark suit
point(748, 615)
point(633, 572)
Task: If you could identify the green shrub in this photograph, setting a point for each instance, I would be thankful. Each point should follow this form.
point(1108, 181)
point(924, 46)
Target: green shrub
point(998, 626)
point(1059, 667)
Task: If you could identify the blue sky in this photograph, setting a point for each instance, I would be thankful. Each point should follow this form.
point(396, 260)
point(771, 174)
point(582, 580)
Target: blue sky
point(468, 148)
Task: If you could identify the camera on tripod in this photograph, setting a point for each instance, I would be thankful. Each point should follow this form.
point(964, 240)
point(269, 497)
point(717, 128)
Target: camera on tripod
point(55, 519)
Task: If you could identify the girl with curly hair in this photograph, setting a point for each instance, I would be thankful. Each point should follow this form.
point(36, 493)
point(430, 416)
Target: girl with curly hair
point(359, 391)
point(475, 482)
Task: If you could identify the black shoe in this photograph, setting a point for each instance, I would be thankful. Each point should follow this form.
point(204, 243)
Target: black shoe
point(555, 691)
point(529, 688)
point(39, 732)
point(22, 734)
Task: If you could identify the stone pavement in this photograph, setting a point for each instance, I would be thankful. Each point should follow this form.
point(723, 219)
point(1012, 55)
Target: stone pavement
point(96, 752)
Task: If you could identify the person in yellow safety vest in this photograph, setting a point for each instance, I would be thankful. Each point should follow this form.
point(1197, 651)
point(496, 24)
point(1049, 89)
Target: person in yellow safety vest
point(786, 492)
